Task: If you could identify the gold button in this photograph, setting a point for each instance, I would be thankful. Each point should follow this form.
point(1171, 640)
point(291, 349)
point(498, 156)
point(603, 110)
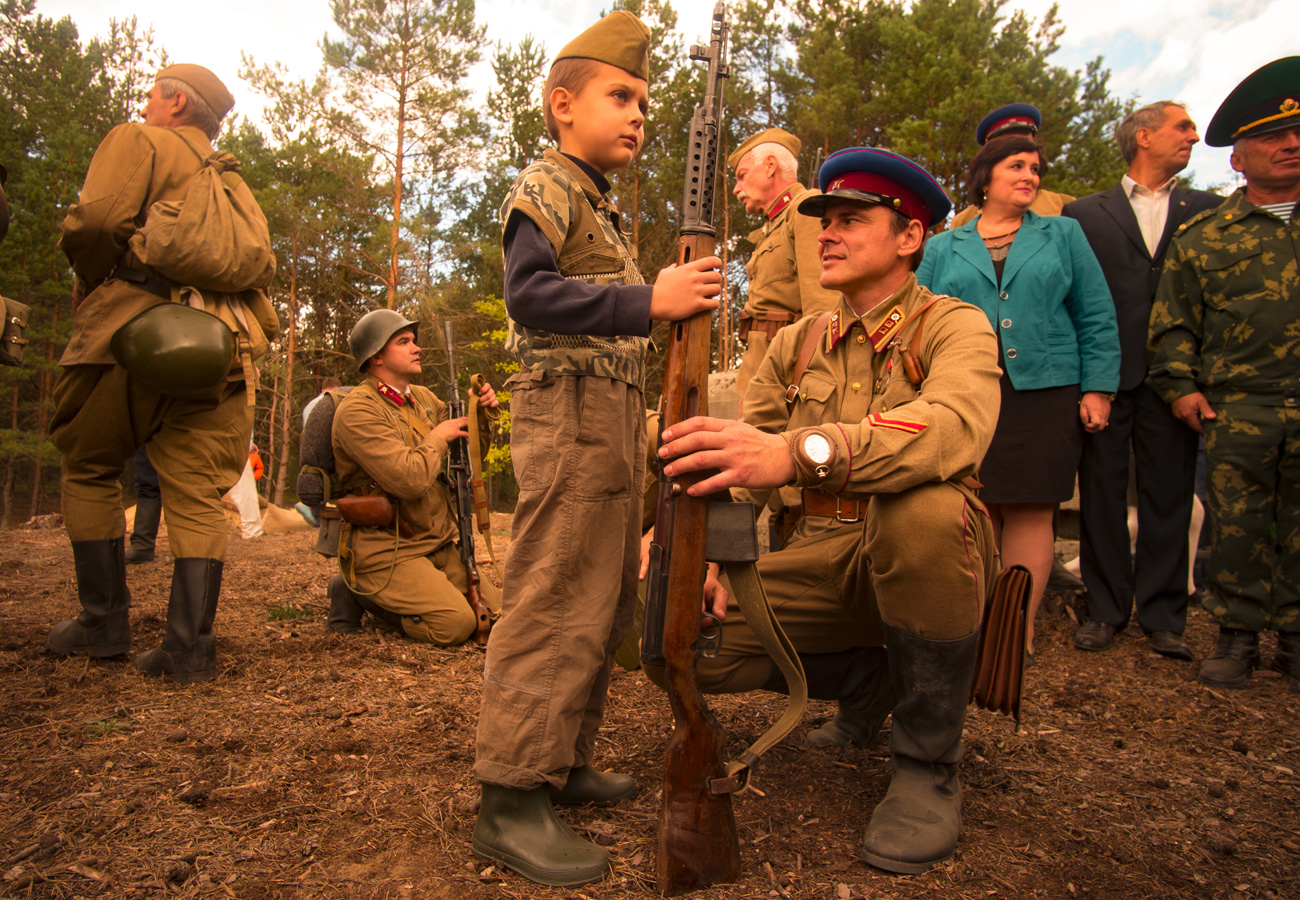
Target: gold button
point(862, 339)
point(857, 385)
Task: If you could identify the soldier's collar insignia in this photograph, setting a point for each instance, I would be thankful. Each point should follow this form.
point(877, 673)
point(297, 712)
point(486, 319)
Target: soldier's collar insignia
point(780, 203)
point(838, 328)
point(884, 332)
point(391, 394)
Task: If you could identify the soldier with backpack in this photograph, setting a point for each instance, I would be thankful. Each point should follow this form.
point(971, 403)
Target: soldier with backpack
point(170, 253)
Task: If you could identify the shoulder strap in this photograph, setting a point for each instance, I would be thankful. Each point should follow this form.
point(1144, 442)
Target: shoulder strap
point(805, 355)
point(912, 365)
point(482, 512)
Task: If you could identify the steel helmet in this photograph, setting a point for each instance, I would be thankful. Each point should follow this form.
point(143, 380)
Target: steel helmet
point(373, 331)
point(175, 349)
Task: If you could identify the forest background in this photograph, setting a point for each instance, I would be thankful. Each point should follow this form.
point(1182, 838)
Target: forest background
point(381, 176)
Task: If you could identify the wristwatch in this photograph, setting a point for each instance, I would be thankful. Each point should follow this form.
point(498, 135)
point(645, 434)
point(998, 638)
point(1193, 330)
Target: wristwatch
point(814, 452)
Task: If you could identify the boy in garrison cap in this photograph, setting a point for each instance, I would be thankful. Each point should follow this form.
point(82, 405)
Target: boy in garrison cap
point(1225, 355)
point(579, 324)
point(1014, 118)
point(104, 413)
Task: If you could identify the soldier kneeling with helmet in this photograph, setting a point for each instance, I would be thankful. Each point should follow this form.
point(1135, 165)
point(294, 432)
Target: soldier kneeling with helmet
point(391, 440)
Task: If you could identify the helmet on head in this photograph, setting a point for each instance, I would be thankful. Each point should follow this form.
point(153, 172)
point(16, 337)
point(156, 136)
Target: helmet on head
point(175, 349)
point(373, 331)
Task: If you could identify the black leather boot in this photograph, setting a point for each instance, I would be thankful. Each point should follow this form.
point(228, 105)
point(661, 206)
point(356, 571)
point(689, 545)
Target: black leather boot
point(917, 824)
point(384, 615)
point(1235, 657)
point(104, 626)
point(859, 680)
point(144, 533)
point(1287, 658)
point(345, 608)
point(519, 829)
point(189, 648)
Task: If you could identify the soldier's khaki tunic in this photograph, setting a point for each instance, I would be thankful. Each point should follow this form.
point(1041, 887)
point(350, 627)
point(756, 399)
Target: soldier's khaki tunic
point(102, 415)
point(1226, 322)
point(1047, 203)
point(783, 273)
point(578, 444)
point(924, 558)
point(419, 576)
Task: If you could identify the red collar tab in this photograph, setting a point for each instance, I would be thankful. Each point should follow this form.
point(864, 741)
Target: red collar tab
point(390, 394)
point(780, 203)
point(884, 332)
point(889, 193)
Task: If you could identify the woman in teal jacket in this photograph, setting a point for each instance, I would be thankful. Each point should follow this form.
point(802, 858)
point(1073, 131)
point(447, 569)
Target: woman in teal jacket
point(1044, 293)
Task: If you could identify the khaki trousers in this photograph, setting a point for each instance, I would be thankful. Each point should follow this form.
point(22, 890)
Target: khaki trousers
point(428, 592)
point(570, 577)
point(102, 416)
point(923, 562)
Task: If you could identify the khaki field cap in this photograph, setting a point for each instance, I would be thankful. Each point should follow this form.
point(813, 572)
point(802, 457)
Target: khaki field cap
point(620, 39)
point(205, 84)
point(767, 136)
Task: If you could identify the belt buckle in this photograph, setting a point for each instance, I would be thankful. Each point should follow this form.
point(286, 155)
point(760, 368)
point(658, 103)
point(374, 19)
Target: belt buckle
point(839, 503)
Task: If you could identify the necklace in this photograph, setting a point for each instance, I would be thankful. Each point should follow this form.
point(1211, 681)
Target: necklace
point(998, 237)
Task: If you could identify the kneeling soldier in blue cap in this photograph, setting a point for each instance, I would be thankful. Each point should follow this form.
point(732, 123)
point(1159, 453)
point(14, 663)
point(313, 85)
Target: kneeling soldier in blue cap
point(880, 412)
point(1225, 354)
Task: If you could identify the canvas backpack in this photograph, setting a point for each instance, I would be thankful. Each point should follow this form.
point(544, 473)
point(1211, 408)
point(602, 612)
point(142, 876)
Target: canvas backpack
point(216, 239)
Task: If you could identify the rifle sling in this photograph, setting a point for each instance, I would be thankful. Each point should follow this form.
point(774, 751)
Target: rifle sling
point(482, 511)
point(754, 605)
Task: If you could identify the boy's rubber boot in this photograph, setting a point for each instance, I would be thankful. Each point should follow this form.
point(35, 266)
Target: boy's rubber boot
point(917, 825)
point(519, 829)
point(189, 648)
point(104, 627)
point(588, 787)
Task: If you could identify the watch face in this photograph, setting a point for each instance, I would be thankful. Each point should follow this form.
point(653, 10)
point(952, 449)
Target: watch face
point(817, 448)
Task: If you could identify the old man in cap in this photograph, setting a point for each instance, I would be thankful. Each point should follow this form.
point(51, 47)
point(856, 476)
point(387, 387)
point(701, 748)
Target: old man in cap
point(104, 412)
point(1225, 354)
point(783, 272)
point(1014, 118)
point(879, 412)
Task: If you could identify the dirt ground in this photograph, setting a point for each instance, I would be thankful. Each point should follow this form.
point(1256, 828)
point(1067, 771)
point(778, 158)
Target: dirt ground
point(325, 766)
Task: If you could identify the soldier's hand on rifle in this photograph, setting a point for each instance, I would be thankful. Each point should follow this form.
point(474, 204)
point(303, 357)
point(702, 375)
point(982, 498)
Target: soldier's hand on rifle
point(715, 595)
point(452, 429)
point(745, 456)
point(487, 397)
point(682, 291)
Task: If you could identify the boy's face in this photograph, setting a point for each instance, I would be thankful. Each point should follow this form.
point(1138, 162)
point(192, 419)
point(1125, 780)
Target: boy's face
point(603, 124)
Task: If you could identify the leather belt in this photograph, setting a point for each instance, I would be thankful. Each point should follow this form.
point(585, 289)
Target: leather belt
point(146, 281)
point(831, 506)
point(769, 324)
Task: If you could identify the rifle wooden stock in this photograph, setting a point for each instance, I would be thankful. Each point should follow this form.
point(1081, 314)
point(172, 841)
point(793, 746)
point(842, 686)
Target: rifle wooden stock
point(461, 473)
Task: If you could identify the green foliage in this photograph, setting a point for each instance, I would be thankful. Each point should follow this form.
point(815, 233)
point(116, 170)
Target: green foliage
point(99, 728)
point(284, 611)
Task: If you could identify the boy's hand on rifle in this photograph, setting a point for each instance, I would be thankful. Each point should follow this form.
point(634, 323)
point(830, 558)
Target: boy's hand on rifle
point(452, 429)
point(715, 595)
point(682, 291)
point(646, 540)
point(487, 397)
point(745, 456)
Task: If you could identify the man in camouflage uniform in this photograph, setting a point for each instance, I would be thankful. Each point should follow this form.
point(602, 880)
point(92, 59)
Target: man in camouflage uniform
point(1014, 118)
point(393, 436)
point(1225, 354)
point(103, 413)
point(892, 414)
point(783, 271)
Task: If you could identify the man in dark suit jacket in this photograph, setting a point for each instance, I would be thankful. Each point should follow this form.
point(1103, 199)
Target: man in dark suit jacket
point(1129, 228)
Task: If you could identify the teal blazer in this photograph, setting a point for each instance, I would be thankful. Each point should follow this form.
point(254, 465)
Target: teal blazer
point(1053, 314)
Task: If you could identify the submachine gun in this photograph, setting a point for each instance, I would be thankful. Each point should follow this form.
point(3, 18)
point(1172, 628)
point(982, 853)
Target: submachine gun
point(460, 469)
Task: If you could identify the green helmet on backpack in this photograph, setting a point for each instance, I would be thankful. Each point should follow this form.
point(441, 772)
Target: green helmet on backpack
point(175, 349)
point(374, 330)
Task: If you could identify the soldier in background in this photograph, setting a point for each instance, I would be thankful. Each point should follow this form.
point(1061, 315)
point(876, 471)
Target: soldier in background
point(105, 413)
point(1014, 118)
point(1225, 355)
point(783, 270)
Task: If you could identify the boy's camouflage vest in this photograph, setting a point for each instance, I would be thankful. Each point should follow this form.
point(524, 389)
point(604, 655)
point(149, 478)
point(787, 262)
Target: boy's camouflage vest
point(584, 230)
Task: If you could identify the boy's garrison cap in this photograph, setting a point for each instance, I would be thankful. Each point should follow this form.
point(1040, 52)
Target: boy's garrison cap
point(620, 39)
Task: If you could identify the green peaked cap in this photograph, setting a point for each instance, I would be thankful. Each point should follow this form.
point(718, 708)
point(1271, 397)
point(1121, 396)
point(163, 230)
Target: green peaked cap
point(620, 39)
point(1267, 100)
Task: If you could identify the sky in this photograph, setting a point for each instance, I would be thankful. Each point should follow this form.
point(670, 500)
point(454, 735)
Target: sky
point(1194, 51)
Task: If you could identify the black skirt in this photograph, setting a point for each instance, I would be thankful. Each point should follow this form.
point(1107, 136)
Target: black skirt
point(1035, 452)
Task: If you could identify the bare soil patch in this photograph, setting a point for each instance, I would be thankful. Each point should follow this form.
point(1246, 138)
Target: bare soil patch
point(327, 766)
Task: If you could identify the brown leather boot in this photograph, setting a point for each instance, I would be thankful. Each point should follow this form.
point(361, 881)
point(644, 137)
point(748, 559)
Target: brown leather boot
point(1235, 657)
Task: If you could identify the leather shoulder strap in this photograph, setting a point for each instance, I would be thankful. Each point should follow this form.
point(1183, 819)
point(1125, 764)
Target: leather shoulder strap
point(806, 354)
point(912, 365)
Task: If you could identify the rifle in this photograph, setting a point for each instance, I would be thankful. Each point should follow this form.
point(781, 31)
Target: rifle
point(698, 844)
point(460, 470)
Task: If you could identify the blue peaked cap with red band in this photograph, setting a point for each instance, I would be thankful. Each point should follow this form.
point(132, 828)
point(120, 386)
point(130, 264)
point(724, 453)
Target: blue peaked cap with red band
point(1012, 117)
point(873, 175)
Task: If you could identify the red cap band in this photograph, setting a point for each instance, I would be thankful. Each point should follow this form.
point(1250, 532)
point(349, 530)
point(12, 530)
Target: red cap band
point(910, 204)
